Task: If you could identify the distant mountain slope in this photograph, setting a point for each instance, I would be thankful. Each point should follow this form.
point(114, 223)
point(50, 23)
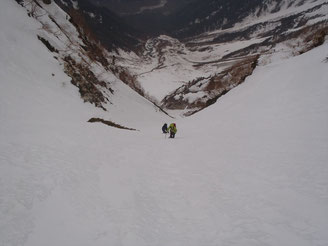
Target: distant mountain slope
point(193, 72)
point(109, 28)
point(132, 7)
point(210, 15)
point(194, 17)
point(243, 21)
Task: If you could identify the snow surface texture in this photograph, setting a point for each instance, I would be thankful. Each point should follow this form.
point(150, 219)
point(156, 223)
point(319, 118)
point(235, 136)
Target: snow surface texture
point(249, 170)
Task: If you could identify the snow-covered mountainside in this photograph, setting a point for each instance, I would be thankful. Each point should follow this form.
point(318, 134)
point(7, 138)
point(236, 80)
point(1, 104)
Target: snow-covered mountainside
point(212, 15)
point(191, 74)
point(262, 20)
point(251, 169)
point(187, 18)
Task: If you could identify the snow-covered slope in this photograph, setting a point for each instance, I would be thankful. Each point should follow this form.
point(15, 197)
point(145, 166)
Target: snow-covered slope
point(249, 170)
point(44, 130)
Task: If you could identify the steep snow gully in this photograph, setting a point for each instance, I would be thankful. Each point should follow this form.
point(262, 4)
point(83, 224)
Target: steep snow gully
point(251, 169)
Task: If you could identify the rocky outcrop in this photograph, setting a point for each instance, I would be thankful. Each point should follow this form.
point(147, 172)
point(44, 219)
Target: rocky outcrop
point(110, 123)
point(73, 43)
point(202, 92)
point(87, 82)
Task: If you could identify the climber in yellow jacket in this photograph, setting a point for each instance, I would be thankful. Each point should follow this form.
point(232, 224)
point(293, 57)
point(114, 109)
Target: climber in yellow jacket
point(172, 129)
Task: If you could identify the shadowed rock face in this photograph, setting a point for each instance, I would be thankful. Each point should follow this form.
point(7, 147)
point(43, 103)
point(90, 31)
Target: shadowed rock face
point(87, 82)
point(111, 30)
point(187, 18)
point(180, 18)
point(128, 23)
point(131, 7)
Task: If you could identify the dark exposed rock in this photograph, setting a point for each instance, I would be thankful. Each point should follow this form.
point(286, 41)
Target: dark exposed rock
point(125, 76)
point(20, 2)
point(107, 27)
point(86, 81)
point(47, 44)
point(110, 123)
point(315, 38)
